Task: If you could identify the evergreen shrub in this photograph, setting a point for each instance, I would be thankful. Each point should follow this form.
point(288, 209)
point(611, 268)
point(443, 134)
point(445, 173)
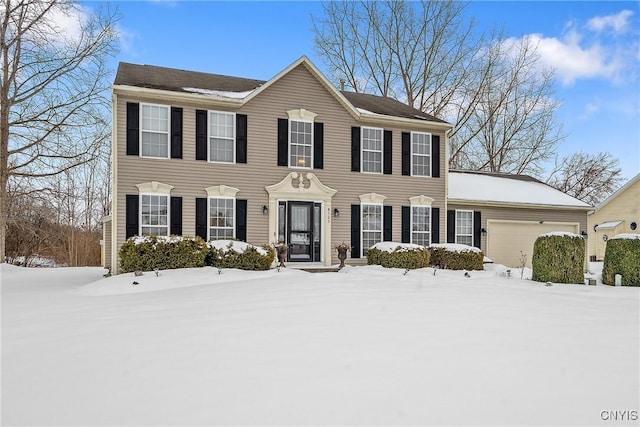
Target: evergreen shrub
point(622, 256)
point(559, 258)
point(236, 254)
point(401, 256)
point(163, 253)
point(456, 257)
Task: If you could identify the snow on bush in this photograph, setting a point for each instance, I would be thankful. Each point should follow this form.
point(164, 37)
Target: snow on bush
point(236, 254)
point(560, 234)
point(162, 252)
point(455, 247)
point(454, 256)
point(626, 237)
point(398, 255)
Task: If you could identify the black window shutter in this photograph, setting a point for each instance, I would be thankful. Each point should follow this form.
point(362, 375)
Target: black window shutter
point(387, 152)
point(435, 156)
point(318, 145)
point(406, 153)
point(132, 206)
point(133, 129)
point(435, 225)
point(176, 216)
point(406, 224)
point(201, 135)
point(201, 217)
point(355, 231)
point(241, 138)
point(387, 227)
point(451, 226)
point(176, 133)
point(283, 142)
point(355, 149)
point(477, 228)
point(241, 219)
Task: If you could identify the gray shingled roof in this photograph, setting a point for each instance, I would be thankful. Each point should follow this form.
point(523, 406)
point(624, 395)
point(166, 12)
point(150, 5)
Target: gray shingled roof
point(154, 77)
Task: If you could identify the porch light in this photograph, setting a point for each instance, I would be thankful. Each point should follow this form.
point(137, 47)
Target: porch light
point(483, 231)
point(336, 212)
point(265, 210)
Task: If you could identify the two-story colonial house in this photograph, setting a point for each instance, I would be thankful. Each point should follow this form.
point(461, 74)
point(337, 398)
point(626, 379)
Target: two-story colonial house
point(290, 159)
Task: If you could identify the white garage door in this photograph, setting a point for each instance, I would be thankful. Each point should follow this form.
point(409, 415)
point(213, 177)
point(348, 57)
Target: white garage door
point(508, 240)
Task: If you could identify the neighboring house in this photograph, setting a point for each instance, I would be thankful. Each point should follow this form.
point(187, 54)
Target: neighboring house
point(290, 159)
point(503, 214)
point(619, 213)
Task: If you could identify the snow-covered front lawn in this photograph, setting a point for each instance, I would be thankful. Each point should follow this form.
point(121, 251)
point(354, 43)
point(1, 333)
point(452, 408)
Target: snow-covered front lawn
point(366, 346)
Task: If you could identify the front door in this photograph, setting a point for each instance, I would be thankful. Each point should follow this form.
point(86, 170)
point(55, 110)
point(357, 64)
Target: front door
point(300, 231)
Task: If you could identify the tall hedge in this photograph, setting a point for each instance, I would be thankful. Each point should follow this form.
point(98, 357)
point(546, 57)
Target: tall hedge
point(163, 253)
point(622, 256)
point(559, 258)
point(456, 257)
point(401, 257)
point(246, 257)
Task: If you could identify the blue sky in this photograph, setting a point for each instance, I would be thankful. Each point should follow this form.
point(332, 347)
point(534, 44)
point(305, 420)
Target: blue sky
point(594, 46)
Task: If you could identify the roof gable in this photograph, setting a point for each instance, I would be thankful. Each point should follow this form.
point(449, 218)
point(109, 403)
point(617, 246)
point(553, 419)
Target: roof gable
point(238, 89)
point(496, 188)
point(619, 191)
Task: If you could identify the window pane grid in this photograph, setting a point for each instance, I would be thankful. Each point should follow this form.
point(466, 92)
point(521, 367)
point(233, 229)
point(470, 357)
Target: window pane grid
point(421, 225)
point(221, 137)
point(154, 126)
point(421, 154)
point(301, 138)
point(464, 227)
point(221, 219)
point(371, 226)
point(371, 150)
point(154, 215)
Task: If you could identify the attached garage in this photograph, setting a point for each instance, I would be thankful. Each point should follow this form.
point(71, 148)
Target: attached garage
point(509, 213)
point(508, 241)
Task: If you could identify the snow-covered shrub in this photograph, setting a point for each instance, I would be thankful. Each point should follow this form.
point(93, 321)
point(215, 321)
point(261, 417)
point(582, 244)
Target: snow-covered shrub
point(398, 255)
point(241, 255)
point(622, 256)
point(558, 257)
point(455, 256)
point(164, 253)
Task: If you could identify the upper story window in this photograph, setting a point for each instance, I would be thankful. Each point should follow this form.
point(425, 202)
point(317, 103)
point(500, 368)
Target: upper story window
point(371, 150)
point(222, 137)
point(420, 154)
point(154, 215)
point(154, 130)
point(300, 144)
point(421, 225)
point(464, 227)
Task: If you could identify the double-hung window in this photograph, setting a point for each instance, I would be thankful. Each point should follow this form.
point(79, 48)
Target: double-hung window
point(420, 154)
point(222, 137)
point(371, 226)
point(464, 227)
point(371, 150)
point(421, 225)
point(221, 218)
point(300, 144)
point(154, 129)
point(154, 215)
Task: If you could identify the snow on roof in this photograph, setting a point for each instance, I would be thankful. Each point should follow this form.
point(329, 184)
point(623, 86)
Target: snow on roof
point(482, 187)
point(219, 93)
point(610, 225)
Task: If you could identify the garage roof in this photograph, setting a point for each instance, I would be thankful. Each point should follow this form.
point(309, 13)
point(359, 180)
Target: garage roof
point(466, 186)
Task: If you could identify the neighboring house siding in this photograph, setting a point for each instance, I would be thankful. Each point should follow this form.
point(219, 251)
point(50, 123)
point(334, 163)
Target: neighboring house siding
point(624, 207)
point(522, 214)
point(106, 246)
point(297, 89)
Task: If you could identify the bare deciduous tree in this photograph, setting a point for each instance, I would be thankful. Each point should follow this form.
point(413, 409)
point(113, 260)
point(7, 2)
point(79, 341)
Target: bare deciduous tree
point(53, 87)
point(587, 177)
point(426, 55)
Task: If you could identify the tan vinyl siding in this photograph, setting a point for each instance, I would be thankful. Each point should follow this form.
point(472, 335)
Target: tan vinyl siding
point(106, 246)
point(297, 89)
point(523, 214)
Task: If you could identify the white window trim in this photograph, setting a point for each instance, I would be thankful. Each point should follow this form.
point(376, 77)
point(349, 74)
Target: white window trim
point(423, 155)
point(289, 144)
point(141, 225)
point(209, 214)
point(374, 151)
point(421, 232)
point(362, 230)
point(168, 108)
point(456, 225)
point(235, 135)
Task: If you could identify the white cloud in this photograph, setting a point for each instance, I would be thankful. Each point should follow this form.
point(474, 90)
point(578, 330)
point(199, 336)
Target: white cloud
point(618, 22)
point(580, 53)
